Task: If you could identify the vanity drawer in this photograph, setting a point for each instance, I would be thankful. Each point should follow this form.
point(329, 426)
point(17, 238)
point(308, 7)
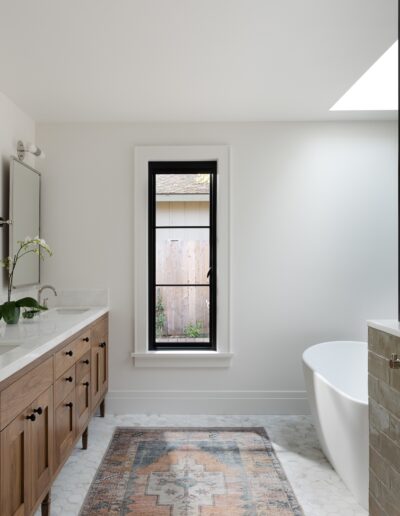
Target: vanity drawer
point(83, 366)
point(70, 353)
point(15, 398)
point(64, 385)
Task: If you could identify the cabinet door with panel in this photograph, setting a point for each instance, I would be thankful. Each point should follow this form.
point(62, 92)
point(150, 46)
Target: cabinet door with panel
point(15, 463)
point(99, 359)
point(103, 345)
point(82, 398)
point(64, 428)
point(42, 431)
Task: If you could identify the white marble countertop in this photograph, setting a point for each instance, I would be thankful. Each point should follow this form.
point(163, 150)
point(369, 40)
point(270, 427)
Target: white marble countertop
point(391, 326)
point(35, 337)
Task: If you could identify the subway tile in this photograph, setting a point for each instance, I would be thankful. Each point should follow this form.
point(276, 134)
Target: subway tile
point(385, 395)
point(374, 508)
point(385, 497)
point(394, 477)
point(372, 387)
point(394, 428)
point(375, 438)
point(375, 485)
point(379, 417)
point(380, 467)
point(390, 451)
point(378, 366)
point(383, 343)
point(394, 378)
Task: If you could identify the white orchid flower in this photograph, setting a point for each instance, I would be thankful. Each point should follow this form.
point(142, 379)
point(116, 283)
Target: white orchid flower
point(26, 246)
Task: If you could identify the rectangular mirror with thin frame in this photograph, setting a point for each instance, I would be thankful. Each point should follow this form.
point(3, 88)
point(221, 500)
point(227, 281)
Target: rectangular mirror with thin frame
point(25, 217)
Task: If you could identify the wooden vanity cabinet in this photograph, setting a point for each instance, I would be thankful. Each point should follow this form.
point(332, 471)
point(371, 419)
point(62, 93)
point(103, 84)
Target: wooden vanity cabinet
point(43, 413)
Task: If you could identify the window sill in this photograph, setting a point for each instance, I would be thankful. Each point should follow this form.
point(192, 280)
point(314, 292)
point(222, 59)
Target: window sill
point(185, 358)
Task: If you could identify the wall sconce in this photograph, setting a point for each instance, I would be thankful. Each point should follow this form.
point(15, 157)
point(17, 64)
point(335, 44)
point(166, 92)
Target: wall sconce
point(31, 148)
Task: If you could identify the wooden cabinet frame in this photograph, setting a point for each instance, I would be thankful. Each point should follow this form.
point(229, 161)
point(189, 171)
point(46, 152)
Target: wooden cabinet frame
point(15, 455)
point(42, 445)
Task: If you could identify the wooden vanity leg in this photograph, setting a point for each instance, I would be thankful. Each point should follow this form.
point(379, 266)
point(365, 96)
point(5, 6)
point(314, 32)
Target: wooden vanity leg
point(103, 408)
point(46, 504)
point(85, 439)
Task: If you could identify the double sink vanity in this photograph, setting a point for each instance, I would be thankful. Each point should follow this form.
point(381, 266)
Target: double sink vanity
point(53, 377)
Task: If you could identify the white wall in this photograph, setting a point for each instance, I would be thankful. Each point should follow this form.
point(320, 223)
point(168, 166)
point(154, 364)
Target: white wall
point(14, 125)
point(313, 248)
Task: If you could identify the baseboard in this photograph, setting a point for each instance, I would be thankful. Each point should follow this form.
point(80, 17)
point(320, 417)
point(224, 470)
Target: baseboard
point(207, 402)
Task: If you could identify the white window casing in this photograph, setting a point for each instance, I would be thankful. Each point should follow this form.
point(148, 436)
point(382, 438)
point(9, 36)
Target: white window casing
point(185, 358)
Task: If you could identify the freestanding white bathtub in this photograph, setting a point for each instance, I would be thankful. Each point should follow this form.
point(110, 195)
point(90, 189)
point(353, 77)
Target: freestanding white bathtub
point(336, 376)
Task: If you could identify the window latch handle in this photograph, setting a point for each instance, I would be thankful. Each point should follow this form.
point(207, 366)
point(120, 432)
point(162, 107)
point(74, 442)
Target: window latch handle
point(209, 272)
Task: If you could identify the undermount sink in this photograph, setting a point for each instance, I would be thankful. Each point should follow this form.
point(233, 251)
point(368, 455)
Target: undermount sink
point(71, 311)
point(6, 347)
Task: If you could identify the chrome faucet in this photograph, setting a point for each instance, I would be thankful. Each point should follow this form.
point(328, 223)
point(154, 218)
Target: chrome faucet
point(45, 300)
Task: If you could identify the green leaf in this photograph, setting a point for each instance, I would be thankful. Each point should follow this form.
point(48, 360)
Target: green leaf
point(29, 302)
point(30, 314)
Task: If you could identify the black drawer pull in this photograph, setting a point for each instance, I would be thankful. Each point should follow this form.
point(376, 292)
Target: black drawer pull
point(86, 384)
point(70, 404)
point(103, 344)
point(86, 339)
point(69, 353)
point(85, 361)
point(38, 410)
point(69, 379)
point(32, 417)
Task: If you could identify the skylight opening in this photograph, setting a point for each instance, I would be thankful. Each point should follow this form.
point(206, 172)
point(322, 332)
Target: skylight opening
point(376, 89)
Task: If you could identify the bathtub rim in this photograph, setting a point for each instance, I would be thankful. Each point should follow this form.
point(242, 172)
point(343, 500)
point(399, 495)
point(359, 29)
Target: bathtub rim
point(325, 380)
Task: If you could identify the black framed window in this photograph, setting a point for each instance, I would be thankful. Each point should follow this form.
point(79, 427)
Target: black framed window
point(182, 255)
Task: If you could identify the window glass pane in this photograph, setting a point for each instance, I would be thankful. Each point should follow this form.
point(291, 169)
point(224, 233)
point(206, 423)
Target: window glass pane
point(182, 256)
point(182, 315)
point(182, 199)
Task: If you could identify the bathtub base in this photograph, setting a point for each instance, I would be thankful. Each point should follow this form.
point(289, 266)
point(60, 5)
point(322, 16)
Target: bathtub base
point(342, 427)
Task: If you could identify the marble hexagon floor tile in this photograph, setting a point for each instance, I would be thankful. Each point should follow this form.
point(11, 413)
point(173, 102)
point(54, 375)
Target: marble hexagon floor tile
point(316, 485)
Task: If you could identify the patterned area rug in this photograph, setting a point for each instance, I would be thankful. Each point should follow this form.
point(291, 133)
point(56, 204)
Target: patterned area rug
point(190, 472)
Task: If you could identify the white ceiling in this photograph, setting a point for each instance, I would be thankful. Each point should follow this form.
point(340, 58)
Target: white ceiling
point(189, 60)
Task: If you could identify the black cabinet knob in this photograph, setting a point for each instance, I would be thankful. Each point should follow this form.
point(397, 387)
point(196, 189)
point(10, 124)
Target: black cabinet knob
point(70, 404)
point(69, 379)
point(69, 353)
point(32, 417)
point(38, 410)
point(86, 384)
point(85, 361)
point(103, 344)
point(86, 339)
